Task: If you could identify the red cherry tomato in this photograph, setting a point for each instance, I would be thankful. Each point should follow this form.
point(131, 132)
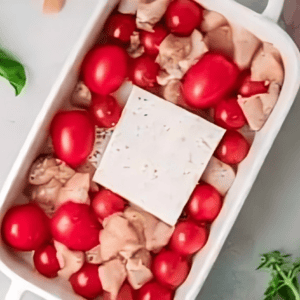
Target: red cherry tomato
point(183, 16)
point(229, 115)
point(73, 136)
point(170, 269)
point(105, 68)
point(126, 293)
point(154, 291)
point(233, 148)
point(250, 88)
point(209, 80)
point(121, 27)
point(105, 110)
point(152, 40)
point(106, 203)
point(205, 203)
point(188, 238)
point(144, 71)
point(25, 227)
point(45, 261)
point(75, 226)
point(86, 281)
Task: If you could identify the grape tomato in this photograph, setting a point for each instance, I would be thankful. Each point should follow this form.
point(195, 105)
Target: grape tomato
point(105, 68)
point(106, 203)
point(45, 261)
point(75, 226)
point(154, 291)
point(144, 71)
point(86, 281)
point(229, 115)
point(233, 148)
point(188, 238)
point(121, 27)
point(209, 80)
point(105, 111)
point(152, 40)
point(73, 136)
point(204, 204)
point(183, 16)
point(250, 88)
point(25, 227)
point(126, 293)
point(170, 268)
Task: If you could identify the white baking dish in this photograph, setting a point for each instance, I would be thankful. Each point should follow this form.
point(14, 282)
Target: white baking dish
point(19, 267)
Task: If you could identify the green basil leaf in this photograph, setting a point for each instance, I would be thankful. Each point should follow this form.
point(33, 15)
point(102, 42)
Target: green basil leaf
point(13, 71)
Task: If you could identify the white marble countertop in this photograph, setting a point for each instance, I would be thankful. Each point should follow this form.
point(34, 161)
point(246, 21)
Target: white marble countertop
point(269, 219)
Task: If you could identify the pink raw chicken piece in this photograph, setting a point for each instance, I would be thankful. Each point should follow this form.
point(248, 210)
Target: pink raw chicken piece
point(90, 169)
point(138, 269)
point(135, 48)
point(245, 46)
point(119, 235)
point(258, 107)
point(75, 190)
point(46, 168)
point(248, 133)
point(178, 54)
point(267, 65)
point(93, 256)
point(157, 233)
point(129, 6)
point(112, 275)
point(218, 174)
point(172, 91)
point(212, 20)
point(82, 96)
point(149, 12)
point(46, 195)
point(69, 261)
point(220, 40)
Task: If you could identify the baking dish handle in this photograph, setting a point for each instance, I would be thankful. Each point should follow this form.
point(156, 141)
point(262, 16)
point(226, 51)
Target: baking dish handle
point(15, 291)
point(273, 10)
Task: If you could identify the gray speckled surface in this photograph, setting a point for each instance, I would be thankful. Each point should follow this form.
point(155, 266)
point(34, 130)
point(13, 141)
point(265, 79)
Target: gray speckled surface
point(269, 219)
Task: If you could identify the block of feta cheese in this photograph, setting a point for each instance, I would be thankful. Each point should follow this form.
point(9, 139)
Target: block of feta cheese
point(157, 154)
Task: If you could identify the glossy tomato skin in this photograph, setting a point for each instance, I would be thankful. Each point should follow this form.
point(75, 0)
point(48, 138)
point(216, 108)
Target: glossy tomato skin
point(25, 227)
point(152, 40)
point(45, 261)
point(209, 80)
point(121, 26)
point(73, 136)
point(233, 148)
point(183, 16)
point(154, 291)
point(105, 68)
point(126, 293)
point(188, 238)
point(144, 71)
point(86, 282)
point(170, 268)
point(229, 115)
point(204, 204)
point(250, 88)
point(106, 203)
point(75, 226)
point(105, 110)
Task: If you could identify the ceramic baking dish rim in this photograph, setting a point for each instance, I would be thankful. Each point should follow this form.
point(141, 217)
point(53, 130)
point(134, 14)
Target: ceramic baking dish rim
point(20, 284)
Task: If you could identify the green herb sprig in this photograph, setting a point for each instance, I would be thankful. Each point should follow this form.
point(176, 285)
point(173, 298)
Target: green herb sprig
point(13, 71)
point(284, 283)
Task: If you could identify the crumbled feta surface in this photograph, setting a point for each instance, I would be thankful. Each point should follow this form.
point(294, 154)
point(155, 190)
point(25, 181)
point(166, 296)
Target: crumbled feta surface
point(157, 154)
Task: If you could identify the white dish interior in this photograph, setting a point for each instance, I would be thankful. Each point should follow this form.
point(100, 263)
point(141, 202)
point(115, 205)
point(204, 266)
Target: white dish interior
point(19, 266)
